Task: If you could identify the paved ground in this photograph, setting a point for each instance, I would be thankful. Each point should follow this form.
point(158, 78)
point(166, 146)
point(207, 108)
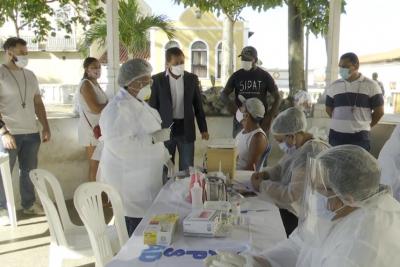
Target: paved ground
point(28, 244)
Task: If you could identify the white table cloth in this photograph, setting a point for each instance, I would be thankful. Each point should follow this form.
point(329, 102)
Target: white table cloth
point(264, 229)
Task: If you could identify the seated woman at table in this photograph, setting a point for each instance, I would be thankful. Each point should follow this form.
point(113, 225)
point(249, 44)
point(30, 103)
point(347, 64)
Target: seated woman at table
point(132, 160)
point(252, 142)
point(284, 182)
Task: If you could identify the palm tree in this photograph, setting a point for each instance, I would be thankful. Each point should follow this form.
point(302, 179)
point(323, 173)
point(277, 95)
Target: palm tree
point(133, 28)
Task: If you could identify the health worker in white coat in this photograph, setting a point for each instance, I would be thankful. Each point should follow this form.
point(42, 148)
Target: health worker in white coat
point(133, 155)
point(348, 219)
point(389, 160)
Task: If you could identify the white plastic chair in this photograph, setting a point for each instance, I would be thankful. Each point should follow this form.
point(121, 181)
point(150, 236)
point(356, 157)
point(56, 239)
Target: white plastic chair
point(88, 203)
point(67, 240)
point(8, 187)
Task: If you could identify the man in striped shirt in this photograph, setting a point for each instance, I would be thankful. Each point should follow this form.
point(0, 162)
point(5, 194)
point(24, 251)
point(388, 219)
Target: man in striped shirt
point(354, 103)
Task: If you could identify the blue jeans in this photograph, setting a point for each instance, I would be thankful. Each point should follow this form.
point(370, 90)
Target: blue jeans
point(361, 139)
point(27, 153)
point(186, 151)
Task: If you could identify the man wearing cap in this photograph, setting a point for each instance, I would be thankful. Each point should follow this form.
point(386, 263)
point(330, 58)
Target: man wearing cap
point(251, 81)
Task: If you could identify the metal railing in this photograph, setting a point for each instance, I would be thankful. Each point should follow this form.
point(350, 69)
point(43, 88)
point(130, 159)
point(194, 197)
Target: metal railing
point(31, 44)
point(61, 44)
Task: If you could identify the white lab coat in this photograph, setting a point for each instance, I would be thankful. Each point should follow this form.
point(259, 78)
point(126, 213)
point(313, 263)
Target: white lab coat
point(389, 160)
point(130, 161)
point(367, 237)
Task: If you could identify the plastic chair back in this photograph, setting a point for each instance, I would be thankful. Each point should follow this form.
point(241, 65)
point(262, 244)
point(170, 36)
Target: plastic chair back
point(6, 176)
point(58, 220)
point(88, 203)
point(264, 158)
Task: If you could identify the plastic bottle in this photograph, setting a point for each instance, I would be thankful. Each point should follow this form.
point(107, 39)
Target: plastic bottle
point(197, 196)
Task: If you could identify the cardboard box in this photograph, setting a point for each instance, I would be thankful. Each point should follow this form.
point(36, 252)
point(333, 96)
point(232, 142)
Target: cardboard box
point(223, 151)
point(161, 229)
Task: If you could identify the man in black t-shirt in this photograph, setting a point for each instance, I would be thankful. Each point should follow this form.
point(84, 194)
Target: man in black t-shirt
point(251, 81)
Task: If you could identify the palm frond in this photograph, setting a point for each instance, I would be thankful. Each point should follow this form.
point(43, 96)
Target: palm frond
point(96, 33)
point(133, 28)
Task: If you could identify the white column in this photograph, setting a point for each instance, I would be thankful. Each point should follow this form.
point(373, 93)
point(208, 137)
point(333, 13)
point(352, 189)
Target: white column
point(153, 57)
point(227, 49)
point(112, 46)
point(335, 7)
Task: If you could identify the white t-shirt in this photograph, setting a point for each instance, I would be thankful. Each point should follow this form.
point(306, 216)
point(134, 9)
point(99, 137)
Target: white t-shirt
point(18, 120)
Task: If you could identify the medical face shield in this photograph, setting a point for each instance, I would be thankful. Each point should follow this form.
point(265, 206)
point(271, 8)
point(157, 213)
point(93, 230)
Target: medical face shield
point(319, 204)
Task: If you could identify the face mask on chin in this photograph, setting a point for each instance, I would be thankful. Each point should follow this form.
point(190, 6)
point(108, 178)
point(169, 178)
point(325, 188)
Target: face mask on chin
point(21, 61)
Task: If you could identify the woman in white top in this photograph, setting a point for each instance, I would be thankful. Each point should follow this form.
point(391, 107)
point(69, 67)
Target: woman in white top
point(92, 100)
point(252, 141)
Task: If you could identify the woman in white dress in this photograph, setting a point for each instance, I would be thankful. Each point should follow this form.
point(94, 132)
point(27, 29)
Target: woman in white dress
point(133, 155)
point(92, 100)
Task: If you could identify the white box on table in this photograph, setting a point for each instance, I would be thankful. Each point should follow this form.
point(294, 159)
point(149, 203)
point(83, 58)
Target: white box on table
point(201, 223)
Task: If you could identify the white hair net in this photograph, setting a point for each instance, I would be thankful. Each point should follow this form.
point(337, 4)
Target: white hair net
point(285, 185)
point(133, 69)
point(289, 121)
point(302, 98)
point(350, 171)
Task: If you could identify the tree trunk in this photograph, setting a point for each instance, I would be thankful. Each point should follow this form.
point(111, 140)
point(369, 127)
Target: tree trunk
point(15, 22)
point(227, 49)
point(296, 49)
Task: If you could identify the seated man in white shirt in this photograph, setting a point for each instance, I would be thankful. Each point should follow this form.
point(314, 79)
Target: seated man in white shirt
point(252, 142)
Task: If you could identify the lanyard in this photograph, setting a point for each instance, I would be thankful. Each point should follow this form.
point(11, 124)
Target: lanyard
point(23, 100)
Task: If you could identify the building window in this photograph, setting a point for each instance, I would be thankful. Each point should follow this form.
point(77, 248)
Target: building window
point(171, 44)
point(219, 61)
point(199, 59)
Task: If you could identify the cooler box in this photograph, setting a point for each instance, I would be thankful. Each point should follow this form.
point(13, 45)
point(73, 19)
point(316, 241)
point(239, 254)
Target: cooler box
point(223, 151)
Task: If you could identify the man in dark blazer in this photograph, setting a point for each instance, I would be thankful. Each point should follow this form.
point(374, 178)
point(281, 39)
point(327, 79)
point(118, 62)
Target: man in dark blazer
point(176, 95)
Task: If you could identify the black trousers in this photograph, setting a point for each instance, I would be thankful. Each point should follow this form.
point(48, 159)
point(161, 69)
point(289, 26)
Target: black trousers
point(290, 221)
point(131, 224)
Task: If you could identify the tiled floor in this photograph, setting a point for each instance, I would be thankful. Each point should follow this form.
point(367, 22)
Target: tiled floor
point(28, 244)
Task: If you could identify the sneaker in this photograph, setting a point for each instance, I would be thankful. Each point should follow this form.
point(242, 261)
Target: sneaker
point(36, 209)
point(4, 220)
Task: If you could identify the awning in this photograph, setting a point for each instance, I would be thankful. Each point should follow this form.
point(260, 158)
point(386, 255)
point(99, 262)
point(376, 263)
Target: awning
point(388, 56)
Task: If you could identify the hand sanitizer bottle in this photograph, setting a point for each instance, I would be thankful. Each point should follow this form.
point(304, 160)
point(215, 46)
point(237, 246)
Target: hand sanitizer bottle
point(197, 196)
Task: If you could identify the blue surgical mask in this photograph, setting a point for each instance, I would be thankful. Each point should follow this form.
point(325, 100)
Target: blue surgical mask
point(344, 73)
point(287, 149)
point(322, 207)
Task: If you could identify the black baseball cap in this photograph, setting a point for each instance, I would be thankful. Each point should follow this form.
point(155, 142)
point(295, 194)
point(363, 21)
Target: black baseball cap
point(249, 53)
